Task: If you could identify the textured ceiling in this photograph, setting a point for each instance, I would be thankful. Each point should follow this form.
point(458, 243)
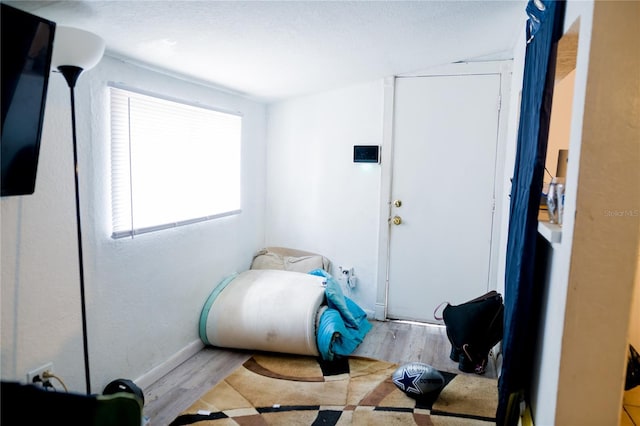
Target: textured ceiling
point(272, 50)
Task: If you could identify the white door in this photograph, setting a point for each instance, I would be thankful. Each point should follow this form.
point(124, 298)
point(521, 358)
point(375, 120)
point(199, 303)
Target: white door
point(444, 159)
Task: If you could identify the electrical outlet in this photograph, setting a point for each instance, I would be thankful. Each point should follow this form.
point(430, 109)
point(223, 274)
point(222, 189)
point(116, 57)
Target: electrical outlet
point(352, 281)
point(37, 372)
point(346, 271)
point(347, 276)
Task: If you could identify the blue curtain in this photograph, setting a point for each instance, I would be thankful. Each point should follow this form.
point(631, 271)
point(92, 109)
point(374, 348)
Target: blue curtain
point(544, 28)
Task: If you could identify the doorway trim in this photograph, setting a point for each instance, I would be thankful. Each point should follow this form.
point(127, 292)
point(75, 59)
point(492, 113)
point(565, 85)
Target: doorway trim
point(501, 189)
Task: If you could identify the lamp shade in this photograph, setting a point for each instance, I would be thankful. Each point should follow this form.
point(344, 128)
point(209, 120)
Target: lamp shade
point(76, 47)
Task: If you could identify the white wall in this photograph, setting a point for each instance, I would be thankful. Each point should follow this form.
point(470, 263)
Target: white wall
point(592, 274)
point(547, 361)
point(144, 295)
point(605, 246)
point(318, 199)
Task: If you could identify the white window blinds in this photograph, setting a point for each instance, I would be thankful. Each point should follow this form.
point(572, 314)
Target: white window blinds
point(172, 163)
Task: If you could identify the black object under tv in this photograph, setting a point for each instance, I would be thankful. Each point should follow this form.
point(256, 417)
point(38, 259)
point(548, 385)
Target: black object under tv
point(27, 45)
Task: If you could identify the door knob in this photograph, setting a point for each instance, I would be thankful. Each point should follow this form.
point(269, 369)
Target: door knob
point(397, 220)
point(397, 203)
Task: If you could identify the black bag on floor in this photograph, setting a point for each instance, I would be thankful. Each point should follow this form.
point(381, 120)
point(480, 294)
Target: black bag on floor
point(633, 369)
point(473, 328)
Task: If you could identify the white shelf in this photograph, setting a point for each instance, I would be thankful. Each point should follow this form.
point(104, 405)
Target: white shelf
point(551, 231)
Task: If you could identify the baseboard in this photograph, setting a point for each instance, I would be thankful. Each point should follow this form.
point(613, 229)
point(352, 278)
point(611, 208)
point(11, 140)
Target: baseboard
point(161, 370)
point(380, 312)
point(495, 356)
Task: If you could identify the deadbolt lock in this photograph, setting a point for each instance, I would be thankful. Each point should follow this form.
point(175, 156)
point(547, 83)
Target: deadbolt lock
point(397, 220)
point(397, 203)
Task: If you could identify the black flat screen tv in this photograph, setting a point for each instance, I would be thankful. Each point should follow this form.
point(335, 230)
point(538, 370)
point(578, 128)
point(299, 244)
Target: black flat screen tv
point(27, 45)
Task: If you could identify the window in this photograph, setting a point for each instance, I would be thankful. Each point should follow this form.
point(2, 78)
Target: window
point(172, 163)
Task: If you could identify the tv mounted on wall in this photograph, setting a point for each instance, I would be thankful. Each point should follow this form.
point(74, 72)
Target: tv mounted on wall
point(27, 45)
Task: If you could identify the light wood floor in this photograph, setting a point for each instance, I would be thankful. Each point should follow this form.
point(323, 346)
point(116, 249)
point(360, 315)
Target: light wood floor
point(393, 341)
point(631, 408)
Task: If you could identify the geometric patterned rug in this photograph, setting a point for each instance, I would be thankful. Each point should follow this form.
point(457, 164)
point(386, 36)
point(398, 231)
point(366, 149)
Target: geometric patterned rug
point(280, 389)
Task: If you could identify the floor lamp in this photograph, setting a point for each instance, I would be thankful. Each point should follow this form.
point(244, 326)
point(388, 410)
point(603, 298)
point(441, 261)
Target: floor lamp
point(76, 51)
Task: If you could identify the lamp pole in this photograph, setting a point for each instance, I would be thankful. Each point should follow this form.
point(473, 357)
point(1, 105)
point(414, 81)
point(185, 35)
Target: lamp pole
point(75, 51)
point(71, 74)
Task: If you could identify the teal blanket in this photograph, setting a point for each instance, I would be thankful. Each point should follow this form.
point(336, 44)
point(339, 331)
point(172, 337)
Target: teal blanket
point(343, 325)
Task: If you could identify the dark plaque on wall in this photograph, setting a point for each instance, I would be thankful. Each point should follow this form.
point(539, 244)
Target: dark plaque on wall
point(366, 154)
